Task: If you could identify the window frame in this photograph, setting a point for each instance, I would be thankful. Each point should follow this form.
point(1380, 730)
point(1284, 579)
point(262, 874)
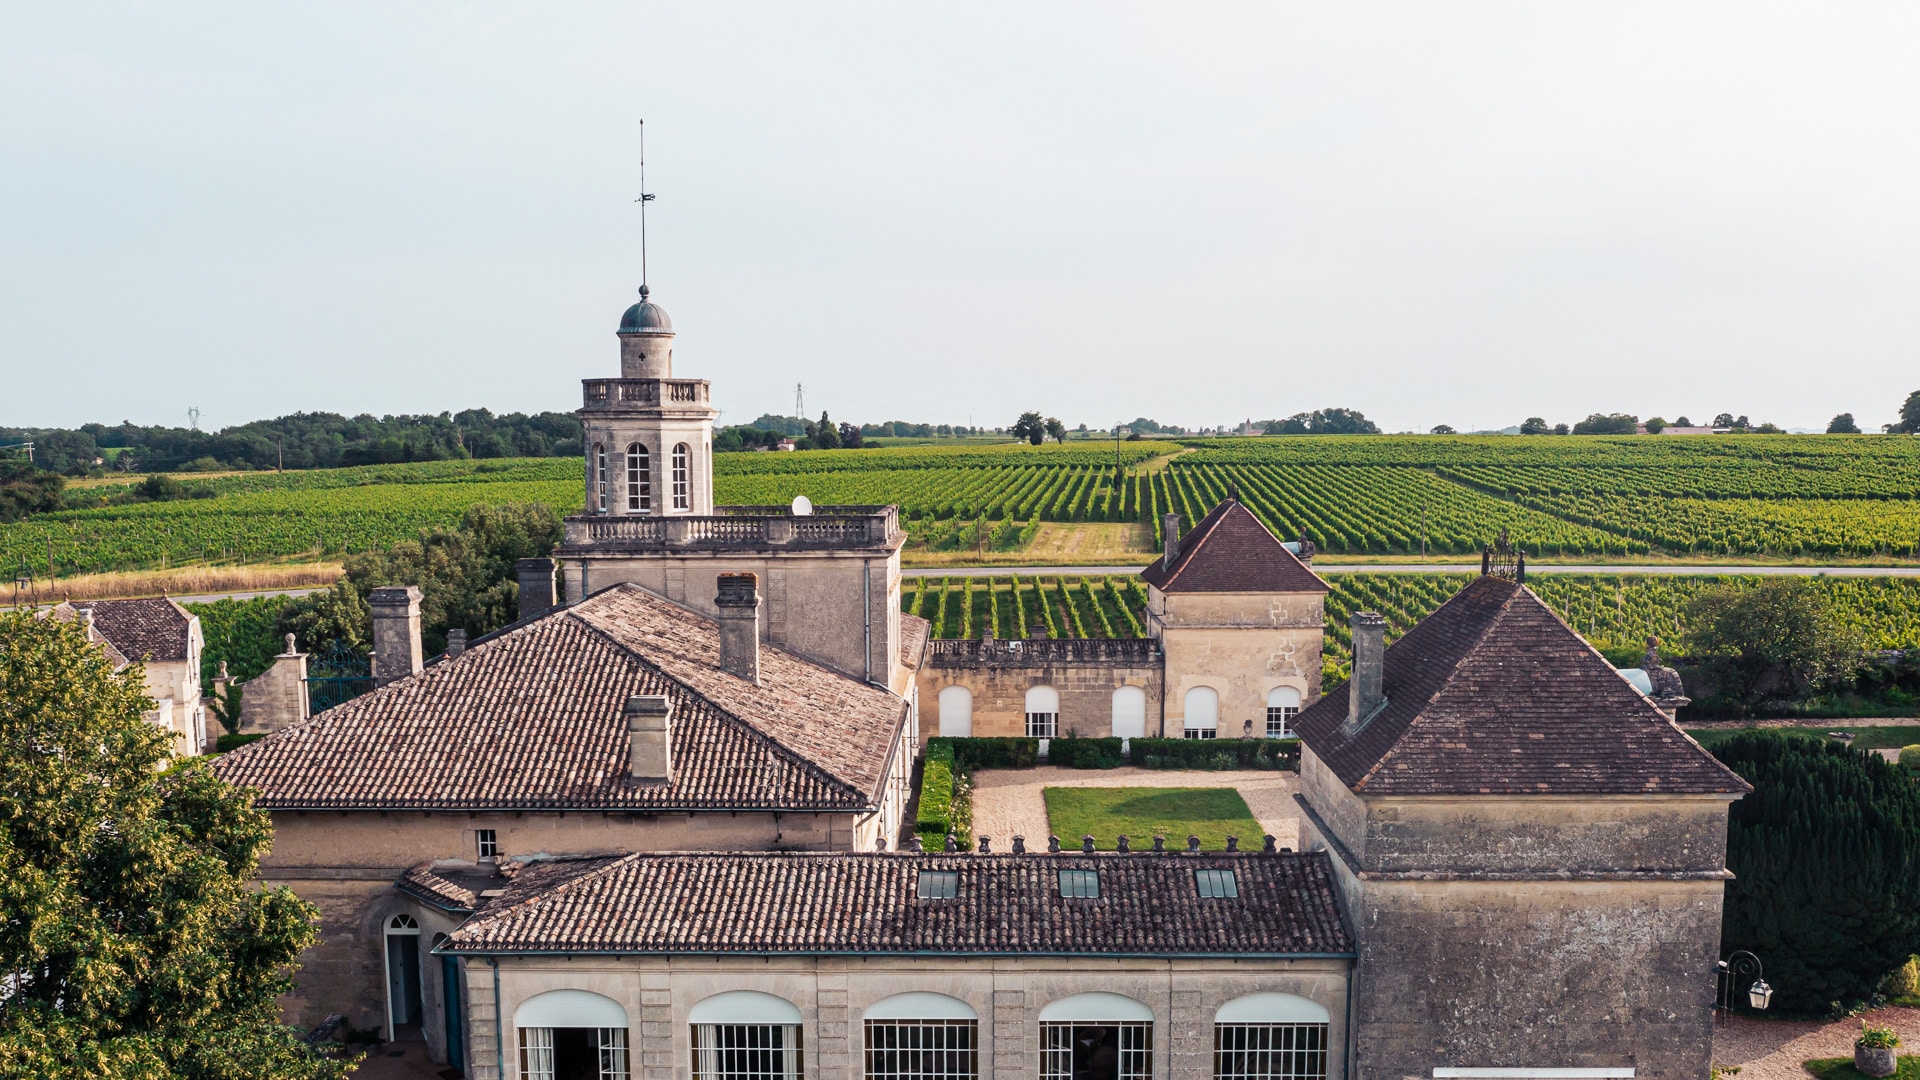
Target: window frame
point(946, 885)
point(1205, 874)
point(1080, 876)
point(1043, 725)
point(486, 843)
point(1309, 1062)
point(962, 1061)
point(682, 477)
point(707, 1059)
point(1056, 1047)
point(639, 478)
point(600, 475)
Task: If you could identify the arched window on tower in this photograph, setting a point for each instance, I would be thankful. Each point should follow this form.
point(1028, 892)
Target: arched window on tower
point(682, 490)
point(639, 479)
point(600, 475)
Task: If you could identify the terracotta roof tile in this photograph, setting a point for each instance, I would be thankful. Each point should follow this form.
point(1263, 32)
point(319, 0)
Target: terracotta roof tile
point(1494, 694)
point(868, 903)
point(1230, 550)
point(533, 717)
point(914, 632)
point(143, 629)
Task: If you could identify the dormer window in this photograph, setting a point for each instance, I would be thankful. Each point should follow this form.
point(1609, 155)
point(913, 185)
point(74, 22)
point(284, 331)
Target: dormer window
point(1216, 884)
point(1080, 884)
point(938, 884)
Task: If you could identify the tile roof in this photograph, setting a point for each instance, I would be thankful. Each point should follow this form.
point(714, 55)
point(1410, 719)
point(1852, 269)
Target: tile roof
point(441, 891)
point(1230, 550)
point(914, 632)
point(66, 612)
point(1494, 694)
point(532, 717)
point(825, 903)
point(143, 629)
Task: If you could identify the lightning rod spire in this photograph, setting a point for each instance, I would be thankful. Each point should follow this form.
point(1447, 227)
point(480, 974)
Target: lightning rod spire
point(643, 200)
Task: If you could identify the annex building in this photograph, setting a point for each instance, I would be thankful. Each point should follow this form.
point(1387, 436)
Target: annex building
point(652, 829)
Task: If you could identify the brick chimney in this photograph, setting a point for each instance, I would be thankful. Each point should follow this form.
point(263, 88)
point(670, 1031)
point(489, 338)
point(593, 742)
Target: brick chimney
point(1366, 691)
point(1170, 532)
point(396, 632)
point(456, 643)
point(650, 738)
point(738, 602)
point(536, 586)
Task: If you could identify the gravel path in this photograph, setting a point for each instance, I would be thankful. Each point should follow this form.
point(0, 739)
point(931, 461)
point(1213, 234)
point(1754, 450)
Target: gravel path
point(1774, 1049)
point(1008, 803)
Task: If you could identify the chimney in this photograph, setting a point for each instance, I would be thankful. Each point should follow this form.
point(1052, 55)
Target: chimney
point(1037, 630)
point(536, 586)
point(1366, 691)
point(739, 612)
point(456, 643)
point(396, 632)
point(1170, 531)
point(650, 738)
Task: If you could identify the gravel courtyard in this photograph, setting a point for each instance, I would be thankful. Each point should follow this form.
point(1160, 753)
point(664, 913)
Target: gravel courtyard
point(1774, 1049)
point(1008, 803)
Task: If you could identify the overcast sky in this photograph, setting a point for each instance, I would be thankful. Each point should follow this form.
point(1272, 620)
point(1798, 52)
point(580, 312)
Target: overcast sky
point(1434, 213)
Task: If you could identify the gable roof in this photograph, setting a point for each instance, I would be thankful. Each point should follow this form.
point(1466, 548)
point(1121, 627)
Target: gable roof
point(1493, 694)
point(533, 717)
point(1230, 550)
point(153, 629)
point(827, 903)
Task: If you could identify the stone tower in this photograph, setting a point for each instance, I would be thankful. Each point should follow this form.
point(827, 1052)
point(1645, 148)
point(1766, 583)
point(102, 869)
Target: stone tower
point(1530, 853)
point(648, 436)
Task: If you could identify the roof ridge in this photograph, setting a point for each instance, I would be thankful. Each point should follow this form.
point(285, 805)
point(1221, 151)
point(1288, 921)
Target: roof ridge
point(1203, 530)
point(1453, 673)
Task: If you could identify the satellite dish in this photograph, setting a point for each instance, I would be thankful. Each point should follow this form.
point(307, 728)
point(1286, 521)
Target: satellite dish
point(802, 506)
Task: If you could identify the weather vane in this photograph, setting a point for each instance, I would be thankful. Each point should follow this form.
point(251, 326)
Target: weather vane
point(643, 200)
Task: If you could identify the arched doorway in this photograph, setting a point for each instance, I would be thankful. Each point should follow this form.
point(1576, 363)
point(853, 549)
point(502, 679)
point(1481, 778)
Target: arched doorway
point(1202, 712)
point(572, 1035)
point(402, 940)
point(956, 712)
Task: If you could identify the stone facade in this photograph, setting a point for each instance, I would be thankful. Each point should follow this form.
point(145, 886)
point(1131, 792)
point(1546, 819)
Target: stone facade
point(277, 697)
point(1242, 646)
point(993, 679)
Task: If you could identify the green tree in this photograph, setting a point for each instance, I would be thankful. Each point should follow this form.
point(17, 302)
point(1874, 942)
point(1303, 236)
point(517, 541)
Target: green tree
point(1031, 426)
point(1655, 425)
point(1056, 430)
point(1909, 415)
point(1771, 641)
point(1443, 429)
point(1534, 425)
point(1843, 425)
point(825, 435)
point(319, 619)
point(134, 942)
point(1607, 424)
point(1825, 855)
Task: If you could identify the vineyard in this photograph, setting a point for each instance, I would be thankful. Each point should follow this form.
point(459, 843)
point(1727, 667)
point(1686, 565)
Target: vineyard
point(1720, 497)
point(1616, 612)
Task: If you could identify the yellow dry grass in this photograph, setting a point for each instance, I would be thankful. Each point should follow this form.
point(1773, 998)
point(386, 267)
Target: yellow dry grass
point(185, 581)
point(1056, 544)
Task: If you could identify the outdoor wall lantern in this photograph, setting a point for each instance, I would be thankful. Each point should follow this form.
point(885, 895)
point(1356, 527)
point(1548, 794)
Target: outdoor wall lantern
point(1733, 971)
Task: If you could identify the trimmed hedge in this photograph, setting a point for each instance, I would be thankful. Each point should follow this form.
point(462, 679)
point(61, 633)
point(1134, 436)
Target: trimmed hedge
point(236, 740)
point(1078, 753)
point(970, 754)
point(1215, 754)
point(1910, 758)
point(934, 817)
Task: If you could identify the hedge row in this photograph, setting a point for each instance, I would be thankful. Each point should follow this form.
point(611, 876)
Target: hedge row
point(983, 753)
point(1086, 753)
point(935, 816)
point(1215, 754)
point(966, 755)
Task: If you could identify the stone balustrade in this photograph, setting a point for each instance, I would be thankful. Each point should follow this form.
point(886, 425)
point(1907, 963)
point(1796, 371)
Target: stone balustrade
point(1028, 652)
point(741, 527)
point(609, 393)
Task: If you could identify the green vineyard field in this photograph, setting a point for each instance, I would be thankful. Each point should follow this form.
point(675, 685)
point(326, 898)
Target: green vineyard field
point(1718, 497)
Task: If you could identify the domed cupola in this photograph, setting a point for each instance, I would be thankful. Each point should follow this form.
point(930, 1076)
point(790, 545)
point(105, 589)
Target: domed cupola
point(646, 317)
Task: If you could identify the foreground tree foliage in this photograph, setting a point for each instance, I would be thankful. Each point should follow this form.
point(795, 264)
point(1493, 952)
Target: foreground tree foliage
point(1773, 641)
point(1826, 860)
point(133, 944)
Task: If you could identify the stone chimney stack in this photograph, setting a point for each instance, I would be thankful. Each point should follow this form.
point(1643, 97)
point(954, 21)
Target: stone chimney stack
point(536, 586)
point(456, 643)
point(1366, 690)
point(739, 612)
point(650, 734)
point(396, 632)
point(1170, 532)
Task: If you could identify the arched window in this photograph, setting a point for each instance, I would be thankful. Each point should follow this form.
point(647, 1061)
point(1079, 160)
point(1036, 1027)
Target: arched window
point(639, 479)
point(1129, 712)
point(682, 489)
point(956, 712)
point(600, 476)
point(745, 1035)
point(1043, 712)
point(1202, 712)
point(1283, 704)
point(402, 943)
point(1079, 1031)
point(922, 1034)
point(572, 1033)
point(1280, 1035)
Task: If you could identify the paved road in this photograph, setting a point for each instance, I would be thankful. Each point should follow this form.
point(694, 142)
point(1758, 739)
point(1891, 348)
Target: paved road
point(1459, 568)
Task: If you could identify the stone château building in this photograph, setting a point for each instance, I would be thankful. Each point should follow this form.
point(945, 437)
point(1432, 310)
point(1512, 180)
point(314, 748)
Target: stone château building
point(651, 829)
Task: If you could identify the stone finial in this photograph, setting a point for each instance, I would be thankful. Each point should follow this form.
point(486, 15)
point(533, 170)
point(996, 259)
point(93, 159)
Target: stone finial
point(1246, 730)
point(1019, 845)
point(1653, 653)
point(916, 844)
point(1233, 843)
point(1053, 845)
point(1266, 843)
point(986, 845)
point(1159, 843)
point(1193, 843)
point(223, 671)
point(290, 647)
point(953, 843)
point(1086, 845)
point(1122, 846)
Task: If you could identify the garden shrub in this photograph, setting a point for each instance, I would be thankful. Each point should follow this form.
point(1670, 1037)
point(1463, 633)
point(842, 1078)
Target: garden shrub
point(934, 818)
point(1903, 981)
point(1078, 753)
point(1910, 758)
point(236, 740)
point(1215, 754)
point(988, 753)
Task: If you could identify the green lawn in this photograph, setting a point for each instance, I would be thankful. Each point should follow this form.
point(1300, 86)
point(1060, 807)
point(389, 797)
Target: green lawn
point(1841, 1068)
point(1140, 813)
point(1867, 738)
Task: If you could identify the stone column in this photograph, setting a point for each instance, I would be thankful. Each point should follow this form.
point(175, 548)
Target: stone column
point(654, 1057)
point(1013, 1053)
point(396, 633)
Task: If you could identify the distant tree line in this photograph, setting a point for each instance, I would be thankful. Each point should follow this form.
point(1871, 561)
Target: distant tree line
point(1322, 422)
point(301, 441)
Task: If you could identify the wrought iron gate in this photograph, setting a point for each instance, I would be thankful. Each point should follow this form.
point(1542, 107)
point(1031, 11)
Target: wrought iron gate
point(335, 676)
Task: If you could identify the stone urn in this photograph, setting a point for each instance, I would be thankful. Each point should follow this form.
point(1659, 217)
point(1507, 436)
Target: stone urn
point(1875, 1060)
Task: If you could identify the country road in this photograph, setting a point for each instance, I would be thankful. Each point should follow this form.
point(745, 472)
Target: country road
point(1461, 568)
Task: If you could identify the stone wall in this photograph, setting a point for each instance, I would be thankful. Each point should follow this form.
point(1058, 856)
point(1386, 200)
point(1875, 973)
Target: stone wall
point(1000, 695)
point(277, 697)
point(833, 994)
point(1241, 645)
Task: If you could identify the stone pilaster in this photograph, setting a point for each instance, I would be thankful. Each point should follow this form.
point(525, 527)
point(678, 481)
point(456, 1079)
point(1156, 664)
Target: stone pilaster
point(1189, 1042)
point(836, 1043)
point(1014, 1054)
point(654, 1056)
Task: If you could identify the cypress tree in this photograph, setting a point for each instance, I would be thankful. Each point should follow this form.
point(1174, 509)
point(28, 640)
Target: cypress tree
point(1826, 860)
